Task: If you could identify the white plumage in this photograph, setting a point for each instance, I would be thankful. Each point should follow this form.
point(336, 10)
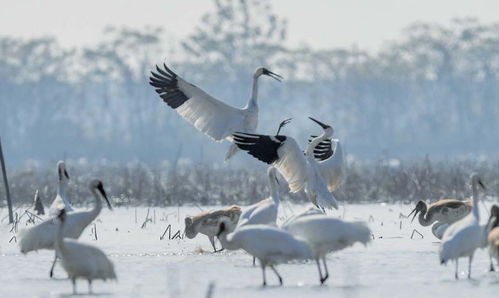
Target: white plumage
point(493, 235)
point(61, 201)
point(325, 234)
point(304, 213)
point(268, 244)
point(207, 114)
point(463, 237)
point(81, 260)
point(302, 172)
point(332, 169)
point(43, 235)
point(265, 211)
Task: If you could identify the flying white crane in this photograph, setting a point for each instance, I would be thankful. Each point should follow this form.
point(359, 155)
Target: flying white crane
point(300, 171)
point(493, 235)
point(43, 235)
point(212, 117)
point(463, 237)
point(443, 212)
point(61, 201)
point(270, 245)
point(325, 234)
point(81, 260)
point(207, 223)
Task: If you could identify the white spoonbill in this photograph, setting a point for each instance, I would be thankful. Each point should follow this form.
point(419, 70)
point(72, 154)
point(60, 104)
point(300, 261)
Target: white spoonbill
point(445, 212)
point(61, 201)
point(463, 237)
point(300, 171)
point(493, 235)
point(212, 117)
point(207, 223)
point(270, 245)
point(82, 260)
point(325, 234)
point(43, 235)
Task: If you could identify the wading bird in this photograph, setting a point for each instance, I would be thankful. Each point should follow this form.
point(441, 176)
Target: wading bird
point(61, 201)
point(493, 235)
point(212, 117)
point(207, 223)
point(325, 234)
point(300, 171)
point(444, 212)
point(270, 245)
point(463, 237)
point(43, 235)
point(265, 211)
point(81, 260)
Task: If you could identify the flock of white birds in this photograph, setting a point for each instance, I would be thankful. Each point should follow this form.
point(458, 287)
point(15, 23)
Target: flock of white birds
point(318, 170)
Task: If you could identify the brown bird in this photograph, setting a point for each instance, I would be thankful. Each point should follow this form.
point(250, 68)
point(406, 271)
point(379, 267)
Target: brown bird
point(207, 223)
point(442, 213)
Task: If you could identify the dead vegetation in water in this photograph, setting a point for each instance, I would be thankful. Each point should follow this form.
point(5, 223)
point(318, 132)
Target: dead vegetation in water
point(159, 185)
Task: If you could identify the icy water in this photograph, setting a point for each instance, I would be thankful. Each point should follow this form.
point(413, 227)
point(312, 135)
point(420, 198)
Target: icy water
point(393, 265)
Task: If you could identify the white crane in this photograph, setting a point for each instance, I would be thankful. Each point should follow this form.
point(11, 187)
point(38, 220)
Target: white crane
point(81, 260)
point(270, 245)
point(42, 236)
point(300, 171)
point(442, 213)
point(265, 211)
point(331, 162)
point(207, 223)
point(61, 201)
point(493, 235)
point(312, 210)
point(212, 117)
point(325, 234)
point(463, 237)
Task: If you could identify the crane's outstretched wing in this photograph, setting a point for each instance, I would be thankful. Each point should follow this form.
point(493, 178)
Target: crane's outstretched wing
point(280, 151)
point(323, 150)
point(331, 163)
point(214, 118)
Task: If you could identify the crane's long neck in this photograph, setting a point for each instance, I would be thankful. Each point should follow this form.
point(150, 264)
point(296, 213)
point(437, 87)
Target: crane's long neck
point(474, 188)
point(61, 188)
point(253, 103)
point(227, 244)
point(274, 188)
point(97, 206)
point(424, 218)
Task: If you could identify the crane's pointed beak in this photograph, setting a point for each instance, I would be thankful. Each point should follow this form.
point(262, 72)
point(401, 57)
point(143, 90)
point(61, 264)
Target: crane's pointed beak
point(273, 75)
point(66, 174)
point(415, 211)
point(482, 185)
point(103, 193)
point(324, 126)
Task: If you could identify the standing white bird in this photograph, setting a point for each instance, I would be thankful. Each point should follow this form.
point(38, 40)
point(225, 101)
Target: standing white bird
point(82, 260)
point(207, 223)
point(493, 235)
point(212, 117)
point(265, 211)
point(43, 235)
point(300, 171)
point(325, 234)
point(463, 237)
point(61, 201)
point(270, 245)
point(444, 212)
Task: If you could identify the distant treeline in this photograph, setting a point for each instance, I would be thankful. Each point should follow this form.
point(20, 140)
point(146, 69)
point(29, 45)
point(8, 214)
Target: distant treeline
point(435, 91)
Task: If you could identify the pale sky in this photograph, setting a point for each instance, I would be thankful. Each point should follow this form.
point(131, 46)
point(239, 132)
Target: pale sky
point(318, 23)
